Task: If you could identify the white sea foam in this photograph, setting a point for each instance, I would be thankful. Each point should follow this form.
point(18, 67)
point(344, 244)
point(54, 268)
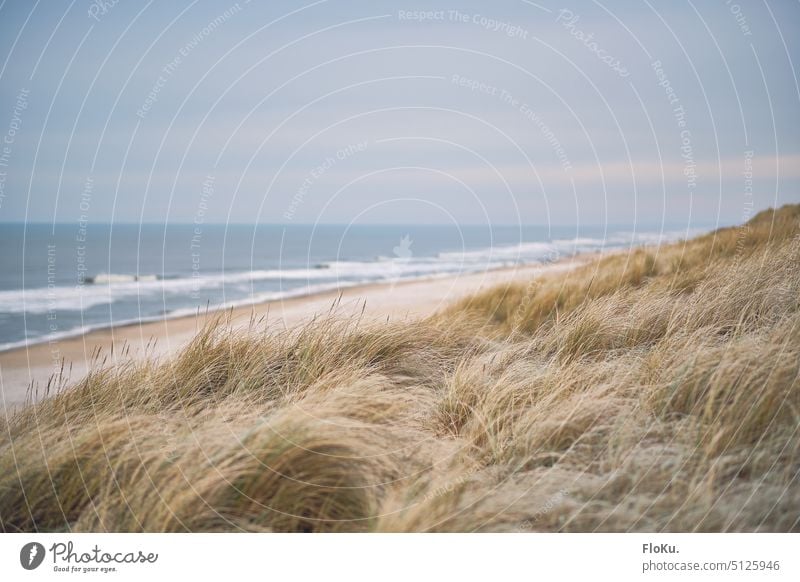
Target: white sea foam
point(247, 287)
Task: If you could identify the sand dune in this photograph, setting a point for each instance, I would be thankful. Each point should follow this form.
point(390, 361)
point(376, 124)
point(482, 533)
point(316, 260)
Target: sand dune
point(653, 391)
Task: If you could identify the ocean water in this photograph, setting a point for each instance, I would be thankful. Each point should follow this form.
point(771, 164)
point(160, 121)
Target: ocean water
point(62, 280)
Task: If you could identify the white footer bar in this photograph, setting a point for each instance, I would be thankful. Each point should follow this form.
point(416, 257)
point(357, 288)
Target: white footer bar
point(353, 557)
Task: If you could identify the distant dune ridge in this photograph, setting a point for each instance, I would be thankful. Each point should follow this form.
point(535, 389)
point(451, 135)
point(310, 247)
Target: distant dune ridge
point(657, 390)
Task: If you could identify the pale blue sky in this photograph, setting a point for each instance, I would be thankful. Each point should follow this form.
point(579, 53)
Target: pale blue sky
point(339, 111)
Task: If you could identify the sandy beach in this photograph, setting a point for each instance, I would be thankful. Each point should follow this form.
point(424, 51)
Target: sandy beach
point(33, 366)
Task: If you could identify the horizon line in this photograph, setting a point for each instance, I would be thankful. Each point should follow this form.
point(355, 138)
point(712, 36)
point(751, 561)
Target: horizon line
point(432, 224)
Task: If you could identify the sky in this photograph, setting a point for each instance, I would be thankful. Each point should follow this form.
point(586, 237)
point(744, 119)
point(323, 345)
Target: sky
point(509, 112)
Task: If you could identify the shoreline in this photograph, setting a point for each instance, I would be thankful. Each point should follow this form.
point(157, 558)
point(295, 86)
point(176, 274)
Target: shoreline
point(34, 364)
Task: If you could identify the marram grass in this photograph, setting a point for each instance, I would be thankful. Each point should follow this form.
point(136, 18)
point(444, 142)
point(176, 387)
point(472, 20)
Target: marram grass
point(651, 391)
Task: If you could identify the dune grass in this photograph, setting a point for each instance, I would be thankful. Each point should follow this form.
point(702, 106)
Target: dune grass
point(657, 390)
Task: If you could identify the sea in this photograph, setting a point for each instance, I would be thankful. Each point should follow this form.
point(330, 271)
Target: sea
point(63, 280)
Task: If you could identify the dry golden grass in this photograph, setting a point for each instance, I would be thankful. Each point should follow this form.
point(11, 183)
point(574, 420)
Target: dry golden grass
point(653, 391)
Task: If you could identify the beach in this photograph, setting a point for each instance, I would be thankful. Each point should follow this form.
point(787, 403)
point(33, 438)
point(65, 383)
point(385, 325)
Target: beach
point(35, 364)
point(654, 389)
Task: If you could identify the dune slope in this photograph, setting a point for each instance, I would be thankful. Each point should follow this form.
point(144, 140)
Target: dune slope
point(653, 391)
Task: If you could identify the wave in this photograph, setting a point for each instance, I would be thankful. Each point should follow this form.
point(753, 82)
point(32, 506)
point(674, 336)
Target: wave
point(111, 278)
point(105, 288)
point(248, 287)
point(82, 297)
point(184, 312)
point(253, 299)
point(533, 252)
